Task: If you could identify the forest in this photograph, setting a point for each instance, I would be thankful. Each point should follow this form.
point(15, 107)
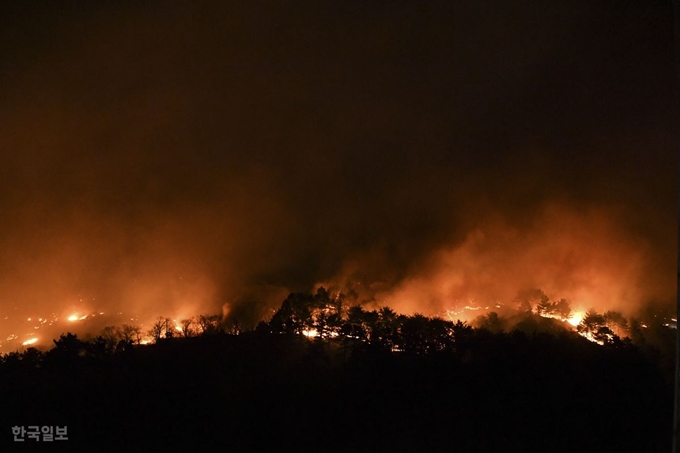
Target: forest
point(323, 375)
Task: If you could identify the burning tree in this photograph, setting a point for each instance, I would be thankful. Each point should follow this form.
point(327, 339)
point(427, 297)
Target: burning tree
point(617, 323)
point(293, 314)
point(312, 315)
point(594, 327)
point(604, 328)
point(357, 325)
point(231, 325)
point(560, 309)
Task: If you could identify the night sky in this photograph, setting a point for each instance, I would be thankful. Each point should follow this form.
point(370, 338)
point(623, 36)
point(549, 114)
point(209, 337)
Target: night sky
point(175, 158)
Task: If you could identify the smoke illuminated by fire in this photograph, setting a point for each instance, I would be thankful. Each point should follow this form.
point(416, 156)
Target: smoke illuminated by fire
point(580, 256)
point(214, 191)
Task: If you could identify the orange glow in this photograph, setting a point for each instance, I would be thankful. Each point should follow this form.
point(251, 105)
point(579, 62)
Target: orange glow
point(576, 317)
point(311, 333)
point(30, 341)
point(577, 255)
point(76, 317)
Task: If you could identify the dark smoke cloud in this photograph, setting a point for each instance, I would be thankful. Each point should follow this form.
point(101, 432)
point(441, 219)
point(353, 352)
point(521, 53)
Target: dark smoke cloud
point(175, 159)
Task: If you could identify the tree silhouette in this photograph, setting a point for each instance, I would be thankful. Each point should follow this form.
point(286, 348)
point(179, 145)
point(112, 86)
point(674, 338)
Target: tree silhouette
point(295, 314)
point(100, 348)
point(356, 325)
point(491, 321)
point(209, 324)
point(321, 323)
point(169, 329)
point(415, 334)
point(12, 361)
point(544, 307)
point(27, 361)
point(187, 327)
point(111, 336)
point(386, 331)
point(67, 351)
point(32, 358)
point(463, 335)
point(439, 335)
point(130, 334)
point(562, 308)
point(158, 329)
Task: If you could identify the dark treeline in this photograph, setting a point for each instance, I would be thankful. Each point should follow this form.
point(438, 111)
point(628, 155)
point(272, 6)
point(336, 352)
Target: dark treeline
point(322, 376)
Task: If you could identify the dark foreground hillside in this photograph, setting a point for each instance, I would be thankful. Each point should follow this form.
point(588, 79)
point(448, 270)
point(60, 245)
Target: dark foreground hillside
point(269, 392)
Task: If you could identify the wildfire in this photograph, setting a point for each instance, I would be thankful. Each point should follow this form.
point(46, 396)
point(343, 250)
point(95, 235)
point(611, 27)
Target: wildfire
point(75, 317)
point(589, 336)
point(311, 333)
point(30, 341)
point(576, 317)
